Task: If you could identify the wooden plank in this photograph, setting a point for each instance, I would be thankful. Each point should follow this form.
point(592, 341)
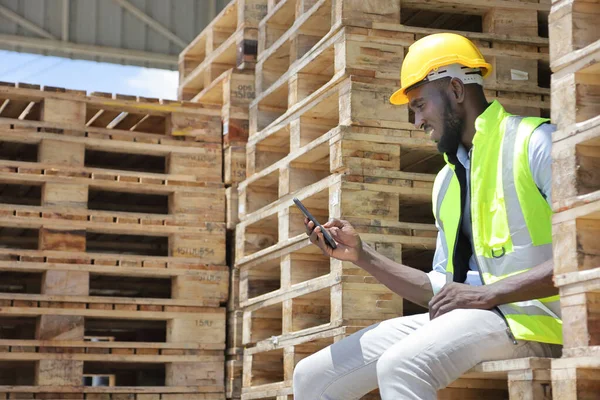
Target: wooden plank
point(198, 72)
point(574, 237)
point(231, 199)
point(209, 248)
point(209, 317)
point(82, 301)
point(233, 377)
point(135, 391)
point(59, 373)
point(213, 360)
point(576, 378)
point(580, 296)
point(106, 264)
point(139, 347)
point(200, 165)
point(576, 158)
point(234, 164)
point(120, 181)
point(187, 287)
point(577, 87)
point(200, 128)
point(59, 110)
point(195, 374)
point(234, 330)
point(237, 14)
point(81, 219)
point(572, 26)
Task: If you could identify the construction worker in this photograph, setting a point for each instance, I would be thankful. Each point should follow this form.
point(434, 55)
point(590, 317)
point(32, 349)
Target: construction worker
point(490, 294)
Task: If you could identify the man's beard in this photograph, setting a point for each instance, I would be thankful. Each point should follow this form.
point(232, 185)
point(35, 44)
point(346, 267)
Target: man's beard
point(453, 127)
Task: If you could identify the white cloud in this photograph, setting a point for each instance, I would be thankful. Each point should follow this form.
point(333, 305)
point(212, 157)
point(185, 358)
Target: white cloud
point(154, 83)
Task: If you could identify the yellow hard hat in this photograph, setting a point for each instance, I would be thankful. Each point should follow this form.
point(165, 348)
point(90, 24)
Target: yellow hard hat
point(435, 51)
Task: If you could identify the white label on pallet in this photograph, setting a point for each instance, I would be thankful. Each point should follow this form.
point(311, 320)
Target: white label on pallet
point(517, 75)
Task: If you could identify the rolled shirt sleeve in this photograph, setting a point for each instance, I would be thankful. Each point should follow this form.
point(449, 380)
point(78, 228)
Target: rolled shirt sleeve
point(437, 276)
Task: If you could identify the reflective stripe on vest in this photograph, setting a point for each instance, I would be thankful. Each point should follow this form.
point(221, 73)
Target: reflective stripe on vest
point(511, 221)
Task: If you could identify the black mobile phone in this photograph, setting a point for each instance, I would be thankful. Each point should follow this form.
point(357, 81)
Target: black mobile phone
point(328, 239)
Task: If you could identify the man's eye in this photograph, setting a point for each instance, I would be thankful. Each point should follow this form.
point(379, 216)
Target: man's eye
point(420, 106)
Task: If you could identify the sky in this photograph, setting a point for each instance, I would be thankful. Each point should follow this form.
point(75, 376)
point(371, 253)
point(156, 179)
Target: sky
point(87, 75)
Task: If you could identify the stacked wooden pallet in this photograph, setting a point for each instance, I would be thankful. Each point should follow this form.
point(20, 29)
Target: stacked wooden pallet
point(217, 68)
point(575, 56)
point(112, 247)
point(322, 130)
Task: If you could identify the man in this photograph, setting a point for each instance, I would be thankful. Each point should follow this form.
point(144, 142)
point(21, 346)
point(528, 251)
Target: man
point(494, 253)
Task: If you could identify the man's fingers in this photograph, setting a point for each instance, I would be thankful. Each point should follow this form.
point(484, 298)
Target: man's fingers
point(312, 236)
point(324, 247)
point(334, 222)
point(436, 302)
point(310, 226)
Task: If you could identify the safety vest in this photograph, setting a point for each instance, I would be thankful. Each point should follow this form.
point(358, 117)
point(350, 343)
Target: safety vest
point(511, 220)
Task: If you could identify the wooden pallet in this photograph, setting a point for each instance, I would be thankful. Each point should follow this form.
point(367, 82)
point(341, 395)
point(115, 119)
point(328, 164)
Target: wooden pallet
point(229, 41)
point(182, 190)
point(105, 275)
point(127, 118)
point(575, 236)
point(403, 209)
point(366, 54)
point(296, 25)
point(572, 26)
point(233, 91)
point(518, 63)
point(268, 371)
point(320, 305)
point(576, 85)
point(275, 170)
point(110, 393)
point(522, 378)
point(361, 100)
point(233, 376)
point(176, 163)
point(576, 158)
point(269, 366)
point(310, 130)
point(579, 297)
point(576, 378)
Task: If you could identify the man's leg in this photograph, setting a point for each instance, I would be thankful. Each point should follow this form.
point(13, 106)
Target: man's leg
point(346, 370)
point(442, 350)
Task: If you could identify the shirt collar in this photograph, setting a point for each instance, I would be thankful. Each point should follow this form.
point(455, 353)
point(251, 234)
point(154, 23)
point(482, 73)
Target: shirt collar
point(463, 155)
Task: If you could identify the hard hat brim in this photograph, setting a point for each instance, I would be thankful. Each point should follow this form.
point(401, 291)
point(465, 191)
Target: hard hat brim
point(399, 97)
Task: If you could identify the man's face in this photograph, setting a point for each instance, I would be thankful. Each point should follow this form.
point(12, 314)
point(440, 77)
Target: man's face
point(436, 114)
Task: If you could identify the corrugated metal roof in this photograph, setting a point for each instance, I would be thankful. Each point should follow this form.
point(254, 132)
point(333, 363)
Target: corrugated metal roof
point(105, 30)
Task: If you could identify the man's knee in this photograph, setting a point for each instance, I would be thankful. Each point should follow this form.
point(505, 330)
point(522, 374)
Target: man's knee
point(399, 366)
point(304, 376)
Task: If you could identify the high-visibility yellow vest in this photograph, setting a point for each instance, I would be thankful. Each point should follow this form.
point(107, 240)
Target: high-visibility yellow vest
point(511, 220)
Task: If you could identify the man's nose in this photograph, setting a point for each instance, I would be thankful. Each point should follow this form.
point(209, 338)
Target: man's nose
point(419, 122)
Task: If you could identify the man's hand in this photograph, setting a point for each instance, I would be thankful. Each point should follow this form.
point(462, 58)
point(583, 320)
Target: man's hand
point(458, 295)
point(349, 245)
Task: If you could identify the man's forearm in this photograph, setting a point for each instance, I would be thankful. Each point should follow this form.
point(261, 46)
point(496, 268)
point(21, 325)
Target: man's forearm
point(408, 282)
point(533, 284)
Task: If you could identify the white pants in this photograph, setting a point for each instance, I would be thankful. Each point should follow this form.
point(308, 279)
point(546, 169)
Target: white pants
point(410, 357)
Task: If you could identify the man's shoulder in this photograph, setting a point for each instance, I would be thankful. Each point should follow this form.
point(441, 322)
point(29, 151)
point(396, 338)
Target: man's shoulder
point(545, 128)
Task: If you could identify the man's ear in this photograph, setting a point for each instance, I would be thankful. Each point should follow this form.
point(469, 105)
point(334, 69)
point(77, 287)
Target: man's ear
point(457, 88)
